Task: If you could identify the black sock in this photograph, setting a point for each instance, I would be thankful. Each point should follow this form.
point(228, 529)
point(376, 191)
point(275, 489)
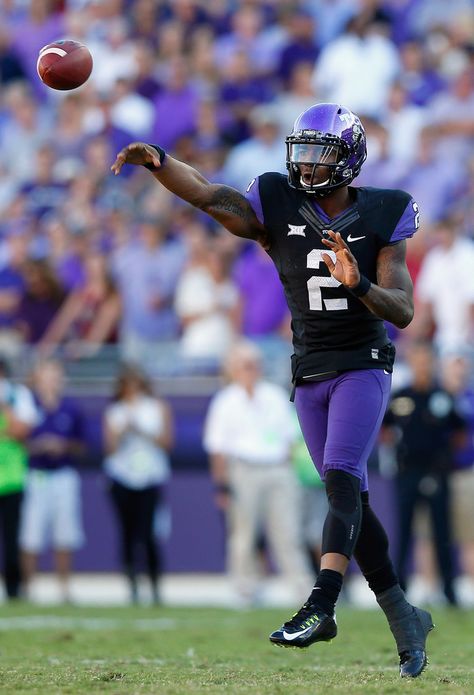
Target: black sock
point(326, 590)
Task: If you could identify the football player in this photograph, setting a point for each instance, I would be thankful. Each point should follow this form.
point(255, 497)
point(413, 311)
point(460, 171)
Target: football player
point(340, 254)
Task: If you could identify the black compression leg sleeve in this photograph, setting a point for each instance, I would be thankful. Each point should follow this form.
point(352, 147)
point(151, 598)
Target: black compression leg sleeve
point(371, 551)
point(343, 520)
point(408, 625)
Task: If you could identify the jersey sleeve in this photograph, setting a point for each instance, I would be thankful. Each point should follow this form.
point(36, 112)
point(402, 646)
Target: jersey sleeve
point(253, 196)
point(407, 224)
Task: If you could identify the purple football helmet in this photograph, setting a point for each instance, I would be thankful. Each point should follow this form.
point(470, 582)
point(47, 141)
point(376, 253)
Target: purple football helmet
point(325, 135)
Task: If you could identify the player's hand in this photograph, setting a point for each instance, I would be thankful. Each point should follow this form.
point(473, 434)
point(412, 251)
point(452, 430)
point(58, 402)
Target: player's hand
point(138, 153)
point(345, 269)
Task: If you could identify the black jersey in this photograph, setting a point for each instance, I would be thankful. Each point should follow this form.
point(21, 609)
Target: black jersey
point(332, 329)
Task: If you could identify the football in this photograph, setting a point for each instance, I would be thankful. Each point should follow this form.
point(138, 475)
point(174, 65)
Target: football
point(64, 64)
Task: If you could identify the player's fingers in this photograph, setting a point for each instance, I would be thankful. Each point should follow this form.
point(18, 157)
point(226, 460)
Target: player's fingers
point(328, 242)
point(327, 259)
point(146, 152)
point(119, 161)
point(341, 241)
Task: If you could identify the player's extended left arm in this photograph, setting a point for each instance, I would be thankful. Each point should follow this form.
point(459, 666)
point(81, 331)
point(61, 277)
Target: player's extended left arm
point(391, 298)
point(225, 204)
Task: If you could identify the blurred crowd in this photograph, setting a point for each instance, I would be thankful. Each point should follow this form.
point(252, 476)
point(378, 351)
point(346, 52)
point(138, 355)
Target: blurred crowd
point(89, 260)
point(42, 442)
point(258, 466)
point(92, 264)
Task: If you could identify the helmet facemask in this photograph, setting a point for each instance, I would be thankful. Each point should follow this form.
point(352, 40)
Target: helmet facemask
point(317, 162)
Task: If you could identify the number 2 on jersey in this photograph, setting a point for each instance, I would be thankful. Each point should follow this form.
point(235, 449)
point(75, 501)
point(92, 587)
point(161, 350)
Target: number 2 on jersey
point(316, 282)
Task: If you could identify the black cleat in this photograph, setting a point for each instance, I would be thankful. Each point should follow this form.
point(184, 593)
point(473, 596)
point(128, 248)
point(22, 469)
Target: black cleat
point(412, 663)
point(307, 626)
point(412, 652)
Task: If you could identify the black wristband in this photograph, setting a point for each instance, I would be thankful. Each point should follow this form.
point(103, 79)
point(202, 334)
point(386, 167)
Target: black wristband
point(161, 152)
point(222, 489)
point(361, 288)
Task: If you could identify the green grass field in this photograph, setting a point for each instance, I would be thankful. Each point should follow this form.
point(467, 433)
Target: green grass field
point(194, 650)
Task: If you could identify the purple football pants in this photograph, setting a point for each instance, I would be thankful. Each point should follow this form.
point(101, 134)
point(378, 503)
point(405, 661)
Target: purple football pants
point(341, 417)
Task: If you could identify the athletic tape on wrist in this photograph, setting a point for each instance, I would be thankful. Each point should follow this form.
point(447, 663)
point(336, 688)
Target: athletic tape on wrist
point(362, 287)
point(162, 154)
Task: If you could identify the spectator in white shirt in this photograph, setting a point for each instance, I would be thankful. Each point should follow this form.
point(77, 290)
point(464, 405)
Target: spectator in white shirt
point(206, 302)
point(138, 436)
point(249, 434)
point(357, 68)
point(264, 151)
point(444, 289)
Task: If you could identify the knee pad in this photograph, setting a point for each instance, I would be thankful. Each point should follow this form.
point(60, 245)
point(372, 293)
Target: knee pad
point(342, 525)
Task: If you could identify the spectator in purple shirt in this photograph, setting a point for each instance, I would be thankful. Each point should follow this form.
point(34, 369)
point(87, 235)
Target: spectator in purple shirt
point(264, 312)
point(32, 33)
point(145, 78)
point(146, 272)
point(44, 192)
point(66, 251)
point(264, 308)
point(11, 67)
point(42, 298)
point(70, 131)
point(420, 80)
point(52, 504)
point(301, 46)
point(241, 89)
point(12, 286)
point(249, 34)
point(176, 107)
point(432, 179)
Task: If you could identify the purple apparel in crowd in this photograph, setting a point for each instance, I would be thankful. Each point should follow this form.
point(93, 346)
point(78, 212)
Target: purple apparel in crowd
point(70, 272)
point(464, 457)
point(434, 187)
point(42, 198)
point(64, 421)
point(143, 274)
point(29, 37)
point(35, 315)
point(176, 115)
point(11, 283)
point(264, 305)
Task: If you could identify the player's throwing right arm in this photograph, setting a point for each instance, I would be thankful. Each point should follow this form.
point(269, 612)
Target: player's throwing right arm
point(225, 204)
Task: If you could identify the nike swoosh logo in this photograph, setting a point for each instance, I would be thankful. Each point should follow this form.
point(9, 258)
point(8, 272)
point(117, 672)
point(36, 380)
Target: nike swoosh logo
point(290, 636)
point(355, 238)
